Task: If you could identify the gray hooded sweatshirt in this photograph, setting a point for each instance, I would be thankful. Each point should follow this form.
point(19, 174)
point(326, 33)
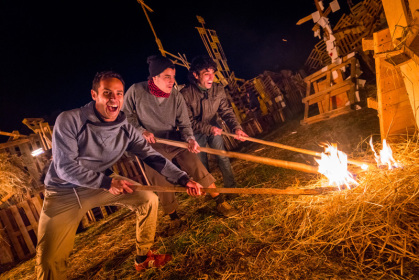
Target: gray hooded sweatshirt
point(84, 147)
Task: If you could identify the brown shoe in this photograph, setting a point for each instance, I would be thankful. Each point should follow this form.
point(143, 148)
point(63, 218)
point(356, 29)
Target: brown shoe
point(226, 209)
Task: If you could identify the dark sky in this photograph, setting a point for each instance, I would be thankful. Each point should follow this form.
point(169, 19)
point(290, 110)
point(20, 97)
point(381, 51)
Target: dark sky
point(50, 50)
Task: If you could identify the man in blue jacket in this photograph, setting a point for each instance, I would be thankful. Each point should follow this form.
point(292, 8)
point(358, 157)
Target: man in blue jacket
point(86, 143)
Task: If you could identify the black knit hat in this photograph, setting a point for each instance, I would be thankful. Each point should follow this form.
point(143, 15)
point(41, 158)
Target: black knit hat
point(157, 64)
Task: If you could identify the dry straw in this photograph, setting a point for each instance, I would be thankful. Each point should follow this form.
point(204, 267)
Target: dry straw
point(369, 232)
point(13, 178)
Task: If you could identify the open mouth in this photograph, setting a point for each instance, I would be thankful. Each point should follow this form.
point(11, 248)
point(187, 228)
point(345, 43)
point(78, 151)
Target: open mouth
point(112, 108)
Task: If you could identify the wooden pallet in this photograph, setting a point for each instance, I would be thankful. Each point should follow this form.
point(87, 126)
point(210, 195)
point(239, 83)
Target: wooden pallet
point(331, 90)
point(20, 224)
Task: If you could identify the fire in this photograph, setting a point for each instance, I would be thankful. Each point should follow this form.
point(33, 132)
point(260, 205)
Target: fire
point(385, 157)
point(334, 165)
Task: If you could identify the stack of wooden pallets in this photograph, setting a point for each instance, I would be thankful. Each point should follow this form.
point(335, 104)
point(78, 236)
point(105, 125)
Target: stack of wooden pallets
point(349, 31)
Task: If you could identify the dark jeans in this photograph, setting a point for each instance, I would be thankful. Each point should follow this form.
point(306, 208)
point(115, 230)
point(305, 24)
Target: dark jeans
point(216, 142)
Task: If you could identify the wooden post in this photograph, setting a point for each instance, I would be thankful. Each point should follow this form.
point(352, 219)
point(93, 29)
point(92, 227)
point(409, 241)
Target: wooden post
point(263, 160)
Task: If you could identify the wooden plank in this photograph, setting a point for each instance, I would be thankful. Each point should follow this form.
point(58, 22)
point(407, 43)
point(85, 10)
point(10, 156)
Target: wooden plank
point(382, 41)
point(13, 143)
point(305, 19)
point(410, 74)
point(327, 115)
point(11, 233)
point(372, 103)
point(37, 202)
point(22, 228)
point(104, 212)
point(396, 15)
point(333, 88)
point(31, 217)
point(6, 255)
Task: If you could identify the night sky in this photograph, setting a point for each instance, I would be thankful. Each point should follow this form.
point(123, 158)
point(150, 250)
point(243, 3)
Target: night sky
point(50, 50)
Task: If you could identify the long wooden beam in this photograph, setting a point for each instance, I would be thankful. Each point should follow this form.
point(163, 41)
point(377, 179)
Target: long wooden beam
point(290, 148)
point(274, 162)
point(272, 191)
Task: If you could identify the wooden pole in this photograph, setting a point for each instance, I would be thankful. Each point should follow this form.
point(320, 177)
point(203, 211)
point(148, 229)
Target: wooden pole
point(294, 149)
point(263, 160)
point(142, 170)
point(231, 190)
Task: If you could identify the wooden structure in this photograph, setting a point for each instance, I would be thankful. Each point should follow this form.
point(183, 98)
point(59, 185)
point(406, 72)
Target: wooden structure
point(403, 22)
point(396, 56)
point(223, 74)
point(363, 20)
point(331, 91)
point(18, 230)
point(292, 87)
point(42, 128)
point(22, 148)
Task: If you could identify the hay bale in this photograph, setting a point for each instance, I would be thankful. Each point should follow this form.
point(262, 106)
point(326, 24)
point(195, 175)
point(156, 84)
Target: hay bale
point(14, 179)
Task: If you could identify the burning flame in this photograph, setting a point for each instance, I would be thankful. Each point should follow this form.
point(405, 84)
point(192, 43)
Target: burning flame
point(385, 157)
point(334, 165)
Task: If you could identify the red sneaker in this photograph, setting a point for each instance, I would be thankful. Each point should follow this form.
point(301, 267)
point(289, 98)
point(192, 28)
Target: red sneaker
point(153, 260)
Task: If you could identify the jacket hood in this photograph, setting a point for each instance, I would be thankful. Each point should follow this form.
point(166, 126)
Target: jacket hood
point(88, 111)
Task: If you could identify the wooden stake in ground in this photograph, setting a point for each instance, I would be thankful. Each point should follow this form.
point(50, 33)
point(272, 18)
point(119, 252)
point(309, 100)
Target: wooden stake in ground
point(294, 149)
point(263, 160)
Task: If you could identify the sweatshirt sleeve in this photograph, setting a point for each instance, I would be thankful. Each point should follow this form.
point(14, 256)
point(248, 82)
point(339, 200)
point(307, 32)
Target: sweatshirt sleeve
point(155, 160)
point(65, 152)
point(129, 108)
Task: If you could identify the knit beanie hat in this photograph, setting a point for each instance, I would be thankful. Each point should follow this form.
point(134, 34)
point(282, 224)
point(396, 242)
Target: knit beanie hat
point(157, 64)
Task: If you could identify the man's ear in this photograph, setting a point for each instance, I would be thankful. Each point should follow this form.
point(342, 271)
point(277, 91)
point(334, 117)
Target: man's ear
point(94, 94)
point(195, 75)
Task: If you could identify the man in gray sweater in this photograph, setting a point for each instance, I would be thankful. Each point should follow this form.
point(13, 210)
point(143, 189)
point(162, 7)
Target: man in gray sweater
point(86, 142)
point(157, 109)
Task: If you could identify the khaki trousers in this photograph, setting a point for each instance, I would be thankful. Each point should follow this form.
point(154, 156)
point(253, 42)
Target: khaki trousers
point(62, 212)
point(188, 162)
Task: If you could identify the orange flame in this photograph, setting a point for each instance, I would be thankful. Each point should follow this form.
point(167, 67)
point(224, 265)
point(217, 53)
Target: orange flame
point(334, 165)
point(385, 157)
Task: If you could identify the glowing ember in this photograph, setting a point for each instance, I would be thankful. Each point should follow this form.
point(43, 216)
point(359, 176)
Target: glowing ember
point(385, 157)
point(333, 164)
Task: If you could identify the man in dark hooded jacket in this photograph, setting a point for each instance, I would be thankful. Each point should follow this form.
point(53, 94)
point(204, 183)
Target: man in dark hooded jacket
point(206, 101)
